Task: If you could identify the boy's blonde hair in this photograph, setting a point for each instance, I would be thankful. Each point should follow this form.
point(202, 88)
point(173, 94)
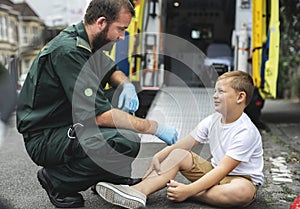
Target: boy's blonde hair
point(240, 81)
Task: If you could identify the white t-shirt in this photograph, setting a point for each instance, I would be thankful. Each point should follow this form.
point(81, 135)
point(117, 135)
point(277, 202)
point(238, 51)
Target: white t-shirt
point(240, 140)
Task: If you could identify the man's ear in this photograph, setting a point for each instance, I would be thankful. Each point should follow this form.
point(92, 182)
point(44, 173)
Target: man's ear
point(241, 97)
point(101, 23)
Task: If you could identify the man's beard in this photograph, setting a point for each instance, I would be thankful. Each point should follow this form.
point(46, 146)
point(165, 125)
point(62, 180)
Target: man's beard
point(101, 41)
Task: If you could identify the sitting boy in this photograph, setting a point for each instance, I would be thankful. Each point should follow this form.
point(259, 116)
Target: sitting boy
point(235, 171)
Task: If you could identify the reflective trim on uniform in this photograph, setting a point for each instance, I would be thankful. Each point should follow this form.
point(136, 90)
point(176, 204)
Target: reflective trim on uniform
point(83, 44)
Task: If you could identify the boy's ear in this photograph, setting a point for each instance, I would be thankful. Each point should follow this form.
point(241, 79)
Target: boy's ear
point(241, 97)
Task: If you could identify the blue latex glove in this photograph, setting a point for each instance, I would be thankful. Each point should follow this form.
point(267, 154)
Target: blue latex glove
point(128, 99)
point(166, 133)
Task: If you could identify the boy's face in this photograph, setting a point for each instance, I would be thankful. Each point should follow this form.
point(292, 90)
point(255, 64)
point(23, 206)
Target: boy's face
point(225, 97)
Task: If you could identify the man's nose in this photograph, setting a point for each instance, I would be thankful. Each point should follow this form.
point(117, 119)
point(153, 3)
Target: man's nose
point(122, 36)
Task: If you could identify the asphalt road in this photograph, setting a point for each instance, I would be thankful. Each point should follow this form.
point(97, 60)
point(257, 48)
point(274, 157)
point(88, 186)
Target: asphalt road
point(19, 187)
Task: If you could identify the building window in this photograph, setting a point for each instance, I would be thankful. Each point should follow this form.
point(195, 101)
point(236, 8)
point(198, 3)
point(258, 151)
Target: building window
point(1, 28)
point(5, 29)
point(11, 31)
point(25, 35)
point(16, 33)
point(27, 65)
point(35, 35)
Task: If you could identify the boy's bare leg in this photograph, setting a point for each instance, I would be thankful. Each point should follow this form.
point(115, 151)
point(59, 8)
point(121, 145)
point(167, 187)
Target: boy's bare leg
point(177, 160)
point(239, 192)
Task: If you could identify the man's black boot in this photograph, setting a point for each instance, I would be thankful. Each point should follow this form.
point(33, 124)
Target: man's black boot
point(59, 200)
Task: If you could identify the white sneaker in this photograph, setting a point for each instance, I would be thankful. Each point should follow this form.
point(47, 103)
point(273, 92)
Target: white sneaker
point(122, 195)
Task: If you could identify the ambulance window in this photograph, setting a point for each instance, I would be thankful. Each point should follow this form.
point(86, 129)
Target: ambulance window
point(201, 32)
point(195, 34)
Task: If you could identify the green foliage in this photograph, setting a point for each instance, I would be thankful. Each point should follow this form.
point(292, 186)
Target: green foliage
point(289, 61)
point(296, 86)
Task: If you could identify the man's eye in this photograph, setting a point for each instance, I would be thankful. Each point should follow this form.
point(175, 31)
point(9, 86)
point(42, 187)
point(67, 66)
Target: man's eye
point(121, 29)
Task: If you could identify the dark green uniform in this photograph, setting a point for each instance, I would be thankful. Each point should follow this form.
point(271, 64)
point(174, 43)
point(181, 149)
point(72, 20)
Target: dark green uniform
point(65, 86)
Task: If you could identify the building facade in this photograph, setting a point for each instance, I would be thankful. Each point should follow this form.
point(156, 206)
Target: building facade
point(21, 36)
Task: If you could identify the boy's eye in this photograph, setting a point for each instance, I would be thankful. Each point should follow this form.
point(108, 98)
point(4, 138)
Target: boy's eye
point(219, 91)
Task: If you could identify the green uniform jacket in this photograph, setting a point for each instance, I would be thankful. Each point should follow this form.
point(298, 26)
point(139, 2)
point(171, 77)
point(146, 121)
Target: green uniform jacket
point(65, 83)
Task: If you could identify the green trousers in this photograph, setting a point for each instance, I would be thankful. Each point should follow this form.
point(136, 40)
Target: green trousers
point(103, 154)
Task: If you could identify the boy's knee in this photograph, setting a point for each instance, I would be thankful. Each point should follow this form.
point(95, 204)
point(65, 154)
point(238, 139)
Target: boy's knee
point(181, 157)
point(244, 195)
point(178, 153)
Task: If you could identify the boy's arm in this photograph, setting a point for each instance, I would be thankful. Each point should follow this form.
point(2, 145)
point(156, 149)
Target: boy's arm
point(186, 143)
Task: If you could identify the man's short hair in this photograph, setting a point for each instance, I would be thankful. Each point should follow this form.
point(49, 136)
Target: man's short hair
point(109, 9)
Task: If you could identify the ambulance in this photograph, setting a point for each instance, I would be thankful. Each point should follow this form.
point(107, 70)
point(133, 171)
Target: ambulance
point(172, 45)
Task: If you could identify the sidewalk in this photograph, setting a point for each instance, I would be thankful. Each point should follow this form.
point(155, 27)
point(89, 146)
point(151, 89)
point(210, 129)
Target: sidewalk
point(282, 152)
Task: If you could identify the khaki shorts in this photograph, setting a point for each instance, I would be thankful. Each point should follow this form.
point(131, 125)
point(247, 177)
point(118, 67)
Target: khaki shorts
point(202, 166)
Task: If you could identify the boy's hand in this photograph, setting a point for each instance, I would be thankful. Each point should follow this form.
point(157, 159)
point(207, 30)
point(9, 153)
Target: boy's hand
point(177, 192)
point(154, 166)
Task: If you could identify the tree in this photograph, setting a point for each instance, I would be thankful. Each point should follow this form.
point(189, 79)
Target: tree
point(289, 63)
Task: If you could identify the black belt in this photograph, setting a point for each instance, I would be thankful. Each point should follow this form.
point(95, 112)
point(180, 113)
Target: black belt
point(30, 134)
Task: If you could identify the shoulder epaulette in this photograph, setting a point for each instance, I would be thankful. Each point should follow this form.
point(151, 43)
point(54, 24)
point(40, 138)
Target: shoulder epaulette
point(83, 44)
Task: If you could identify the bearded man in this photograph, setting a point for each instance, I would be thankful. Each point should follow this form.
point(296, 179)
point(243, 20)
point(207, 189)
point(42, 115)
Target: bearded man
point(70, 126)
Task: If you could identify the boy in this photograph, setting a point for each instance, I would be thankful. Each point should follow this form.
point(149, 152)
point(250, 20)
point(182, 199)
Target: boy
point(236, 168)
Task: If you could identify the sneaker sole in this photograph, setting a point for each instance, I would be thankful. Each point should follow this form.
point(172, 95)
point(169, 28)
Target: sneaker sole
point(117, 197)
